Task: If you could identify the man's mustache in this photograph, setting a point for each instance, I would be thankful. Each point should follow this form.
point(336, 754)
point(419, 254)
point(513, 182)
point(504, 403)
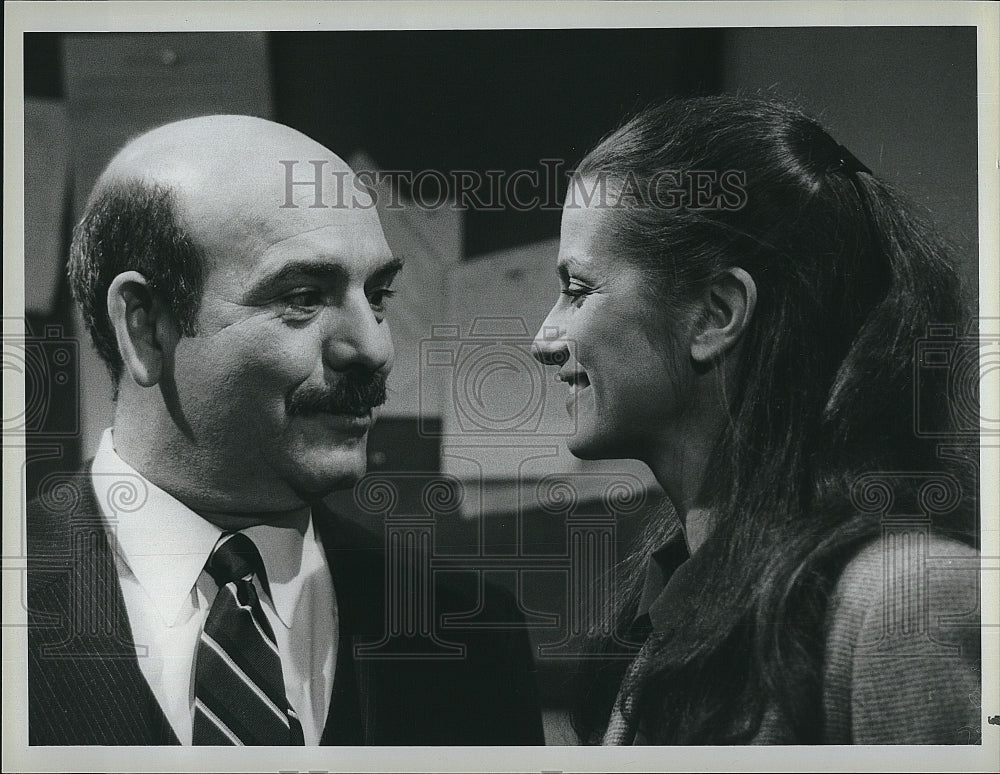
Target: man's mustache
point(355, 393)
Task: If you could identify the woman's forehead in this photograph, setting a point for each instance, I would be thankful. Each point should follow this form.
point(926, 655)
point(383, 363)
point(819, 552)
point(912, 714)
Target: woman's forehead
point(586, 233)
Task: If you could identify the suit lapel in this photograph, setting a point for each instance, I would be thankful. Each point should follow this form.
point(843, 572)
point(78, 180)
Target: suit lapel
point(86, 685)
point(356, 564)
point(83, 660)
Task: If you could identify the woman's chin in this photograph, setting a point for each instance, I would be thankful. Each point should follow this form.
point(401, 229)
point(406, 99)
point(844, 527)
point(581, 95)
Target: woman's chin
point(587, 447)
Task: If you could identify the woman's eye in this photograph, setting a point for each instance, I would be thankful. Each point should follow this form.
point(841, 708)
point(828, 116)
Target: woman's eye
point(575, 292)
point(379, 298)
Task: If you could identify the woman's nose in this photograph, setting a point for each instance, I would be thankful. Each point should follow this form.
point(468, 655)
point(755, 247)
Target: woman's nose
point(549, 346)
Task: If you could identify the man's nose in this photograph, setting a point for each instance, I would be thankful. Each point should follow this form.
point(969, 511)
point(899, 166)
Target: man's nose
point(359, 338)
point(549, 346)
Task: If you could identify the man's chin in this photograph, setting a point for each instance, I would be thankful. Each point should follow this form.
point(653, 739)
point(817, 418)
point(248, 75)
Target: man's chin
point(321, 474)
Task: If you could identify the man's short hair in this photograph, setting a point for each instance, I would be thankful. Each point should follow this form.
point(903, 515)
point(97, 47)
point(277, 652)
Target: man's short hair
point(133, 226)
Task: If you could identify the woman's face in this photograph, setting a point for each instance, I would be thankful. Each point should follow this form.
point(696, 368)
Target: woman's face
point(624, 356)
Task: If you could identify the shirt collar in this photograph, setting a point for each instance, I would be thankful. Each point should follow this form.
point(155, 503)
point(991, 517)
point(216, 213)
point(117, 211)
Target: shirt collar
point(281, 549)
point(166, 545)
point(672, 576)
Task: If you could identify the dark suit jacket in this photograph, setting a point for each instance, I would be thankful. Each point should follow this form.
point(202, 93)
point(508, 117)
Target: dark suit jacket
point(85, 685)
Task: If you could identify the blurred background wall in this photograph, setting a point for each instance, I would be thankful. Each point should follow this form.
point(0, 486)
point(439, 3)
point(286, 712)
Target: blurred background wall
point(478, 281)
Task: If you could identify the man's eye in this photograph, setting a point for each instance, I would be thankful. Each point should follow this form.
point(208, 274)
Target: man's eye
point(304, 300)
point(379, 298)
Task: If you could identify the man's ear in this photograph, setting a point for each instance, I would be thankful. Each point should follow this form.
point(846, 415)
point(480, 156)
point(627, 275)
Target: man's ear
point(728, 307)
point(145, 328)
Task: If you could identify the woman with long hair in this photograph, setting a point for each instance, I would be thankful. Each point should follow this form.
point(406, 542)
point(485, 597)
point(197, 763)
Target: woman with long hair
point(742, 307)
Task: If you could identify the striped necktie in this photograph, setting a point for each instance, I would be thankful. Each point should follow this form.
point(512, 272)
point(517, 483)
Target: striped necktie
point(239, 693)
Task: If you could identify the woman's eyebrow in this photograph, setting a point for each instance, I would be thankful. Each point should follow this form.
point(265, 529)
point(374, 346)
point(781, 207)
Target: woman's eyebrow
point(569, 265)
point(562, 267)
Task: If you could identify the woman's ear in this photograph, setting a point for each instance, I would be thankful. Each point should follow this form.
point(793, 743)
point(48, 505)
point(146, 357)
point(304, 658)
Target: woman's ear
point(727, 308)
point(144, 327)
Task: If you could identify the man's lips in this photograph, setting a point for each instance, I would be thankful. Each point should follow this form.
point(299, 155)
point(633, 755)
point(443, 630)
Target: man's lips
point(350, 424)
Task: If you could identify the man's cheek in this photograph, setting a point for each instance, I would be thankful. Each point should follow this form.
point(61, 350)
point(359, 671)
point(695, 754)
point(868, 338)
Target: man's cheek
point(253, 377)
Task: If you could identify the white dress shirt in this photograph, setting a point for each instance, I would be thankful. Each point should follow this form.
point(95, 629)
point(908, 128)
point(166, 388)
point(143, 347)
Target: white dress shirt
point(161, 548)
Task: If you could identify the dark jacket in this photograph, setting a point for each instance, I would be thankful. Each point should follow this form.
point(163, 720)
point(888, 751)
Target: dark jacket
point(462, 686)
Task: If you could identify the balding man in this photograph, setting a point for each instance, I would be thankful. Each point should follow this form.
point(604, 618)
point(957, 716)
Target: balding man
point(247, 341)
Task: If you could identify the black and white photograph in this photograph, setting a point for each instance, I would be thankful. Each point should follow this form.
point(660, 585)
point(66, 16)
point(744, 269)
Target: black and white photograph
point(402, 386)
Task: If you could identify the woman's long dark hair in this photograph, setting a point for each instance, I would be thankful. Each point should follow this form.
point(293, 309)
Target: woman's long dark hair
point(848, 281)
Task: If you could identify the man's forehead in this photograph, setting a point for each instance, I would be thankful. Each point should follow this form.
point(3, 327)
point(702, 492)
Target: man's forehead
point(237, 169)
point(265, 186)
point(253, 218)
point(244, 187)
point(345, 237)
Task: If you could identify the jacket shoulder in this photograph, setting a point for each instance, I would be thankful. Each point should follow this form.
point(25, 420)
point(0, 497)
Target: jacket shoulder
point(65, 506)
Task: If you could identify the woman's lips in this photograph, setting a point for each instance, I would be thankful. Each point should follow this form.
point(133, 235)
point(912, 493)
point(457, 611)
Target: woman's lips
point(578, 383)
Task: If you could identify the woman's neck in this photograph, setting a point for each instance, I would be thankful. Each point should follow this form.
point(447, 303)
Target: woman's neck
point(687, 482)
point(683, 463)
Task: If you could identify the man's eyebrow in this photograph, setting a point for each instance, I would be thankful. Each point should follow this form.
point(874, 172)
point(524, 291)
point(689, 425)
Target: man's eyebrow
point(386, 272)
point(299, 270)
point(326, 271)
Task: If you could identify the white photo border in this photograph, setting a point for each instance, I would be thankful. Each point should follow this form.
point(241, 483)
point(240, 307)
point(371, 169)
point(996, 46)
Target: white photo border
point(236, 15)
